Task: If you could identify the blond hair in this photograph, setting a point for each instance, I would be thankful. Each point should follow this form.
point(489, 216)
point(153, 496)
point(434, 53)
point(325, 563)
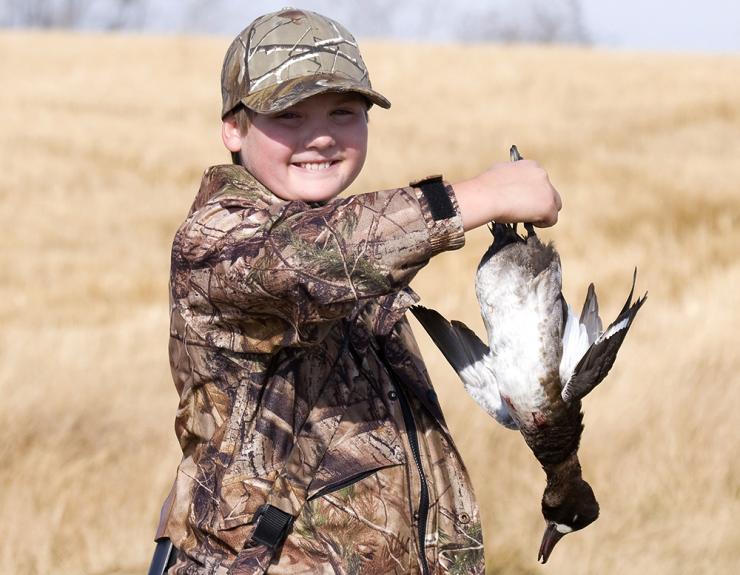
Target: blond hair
point(242, 117)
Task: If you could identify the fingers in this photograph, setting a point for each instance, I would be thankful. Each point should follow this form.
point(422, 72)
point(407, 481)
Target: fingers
point(548, 223)
point(544, 197)
point(550, 217)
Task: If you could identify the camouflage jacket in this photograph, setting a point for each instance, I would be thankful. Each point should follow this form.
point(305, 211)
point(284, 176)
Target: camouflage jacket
point(301, 385)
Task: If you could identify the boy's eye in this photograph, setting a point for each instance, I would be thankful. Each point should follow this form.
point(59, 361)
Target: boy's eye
point(286, 116)
point(345, 113)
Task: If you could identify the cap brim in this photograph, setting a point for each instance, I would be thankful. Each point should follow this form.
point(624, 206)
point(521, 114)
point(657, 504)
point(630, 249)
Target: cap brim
point(286, 94)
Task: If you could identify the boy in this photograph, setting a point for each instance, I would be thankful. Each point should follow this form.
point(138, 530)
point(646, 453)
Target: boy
point(312, 438)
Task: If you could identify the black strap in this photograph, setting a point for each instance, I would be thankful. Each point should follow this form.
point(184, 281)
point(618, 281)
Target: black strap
point(271, 526)
point(164, 557)
point(435, 192)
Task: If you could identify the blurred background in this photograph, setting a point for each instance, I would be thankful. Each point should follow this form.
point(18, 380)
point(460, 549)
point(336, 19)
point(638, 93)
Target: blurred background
point(109, 113)
point(675, 25)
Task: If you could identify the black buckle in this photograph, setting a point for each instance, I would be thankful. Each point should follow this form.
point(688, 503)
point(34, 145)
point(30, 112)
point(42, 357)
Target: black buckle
point(271, 526)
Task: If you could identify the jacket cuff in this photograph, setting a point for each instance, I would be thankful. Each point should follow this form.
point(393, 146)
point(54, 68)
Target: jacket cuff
point(441, 213)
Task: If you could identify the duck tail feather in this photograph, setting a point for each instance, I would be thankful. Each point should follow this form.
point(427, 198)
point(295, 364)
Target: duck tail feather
point(600, 356)
point(628, 303)
point(590, 318)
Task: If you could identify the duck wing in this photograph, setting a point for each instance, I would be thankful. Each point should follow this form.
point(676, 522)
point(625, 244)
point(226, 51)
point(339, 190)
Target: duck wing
point(469, 357)
point(601, 354)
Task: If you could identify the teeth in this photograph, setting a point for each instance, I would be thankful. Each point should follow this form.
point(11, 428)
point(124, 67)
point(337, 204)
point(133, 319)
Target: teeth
point(315, 166)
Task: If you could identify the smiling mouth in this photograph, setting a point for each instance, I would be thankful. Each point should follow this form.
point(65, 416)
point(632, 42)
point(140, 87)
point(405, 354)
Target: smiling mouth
point(315, 166)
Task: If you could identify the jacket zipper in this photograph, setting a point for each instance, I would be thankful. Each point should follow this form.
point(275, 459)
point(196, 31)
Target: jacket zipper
point(423, 511)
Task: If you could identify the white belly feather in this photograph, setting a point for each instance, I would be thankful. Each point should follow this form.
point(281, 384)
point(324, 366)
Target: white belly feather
point(514, 308)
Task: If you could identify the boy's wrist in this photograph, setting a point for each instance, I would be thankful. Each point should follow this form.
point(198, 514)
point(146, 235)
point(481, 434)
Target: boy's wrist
point(468, 193)
point(441, 212)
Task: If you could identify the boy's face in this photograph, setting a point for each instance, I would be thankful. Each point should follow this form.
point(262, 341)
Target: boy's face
point(312, 151)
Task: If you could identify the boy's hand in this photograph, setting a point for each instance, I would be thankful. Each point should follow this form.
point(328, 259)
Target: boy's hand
point(509, 192)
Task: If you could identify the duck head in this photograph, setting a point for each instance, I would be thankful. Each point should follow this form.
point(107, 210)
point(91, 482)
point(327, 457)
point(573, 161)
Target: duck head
point(575, 508)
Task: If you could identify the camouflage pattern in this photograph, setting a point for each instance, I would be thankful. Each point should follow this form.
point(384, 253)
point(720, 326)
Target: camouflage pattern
point(289, 349)
point(284, 57)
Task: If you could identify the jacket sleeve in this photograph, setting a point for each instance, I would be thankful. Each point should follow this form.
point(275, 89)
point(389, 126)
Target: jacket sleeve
point(309, 264)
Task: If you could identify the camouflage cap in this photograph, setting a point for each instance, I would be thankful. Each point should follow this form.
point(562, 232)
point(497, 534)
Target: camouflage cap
point(287, 56)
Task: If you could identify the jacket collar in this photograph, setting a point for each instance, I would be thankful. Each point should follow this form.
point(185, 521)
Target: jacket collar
point(232, 180)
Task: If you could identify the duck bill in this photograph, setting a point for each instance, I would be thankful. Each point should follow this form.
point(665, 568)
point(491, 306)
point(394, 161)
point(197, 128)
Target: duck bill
point(549, 539)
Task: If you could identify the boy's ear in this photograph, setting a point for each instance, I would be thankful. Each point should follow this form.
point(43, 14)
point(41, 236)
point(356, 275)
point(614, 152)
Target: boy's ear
point(231, 134)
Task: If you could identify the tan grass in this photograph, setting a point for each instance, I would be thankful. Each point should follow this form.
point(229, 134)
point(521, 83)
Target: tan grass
point(103, 140)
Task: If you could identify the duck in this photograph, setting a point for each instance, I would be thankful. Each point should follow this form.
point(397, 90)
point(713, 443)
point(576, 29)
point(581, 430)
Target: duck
point(541, 360)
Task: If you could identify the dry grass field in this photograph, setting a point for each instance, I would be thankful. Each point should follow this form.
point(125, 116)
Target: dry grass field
point(102, 143)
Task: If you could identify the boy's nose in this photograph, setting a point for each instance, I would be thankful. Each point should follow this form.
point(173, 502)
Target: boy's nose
point(319, 138)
